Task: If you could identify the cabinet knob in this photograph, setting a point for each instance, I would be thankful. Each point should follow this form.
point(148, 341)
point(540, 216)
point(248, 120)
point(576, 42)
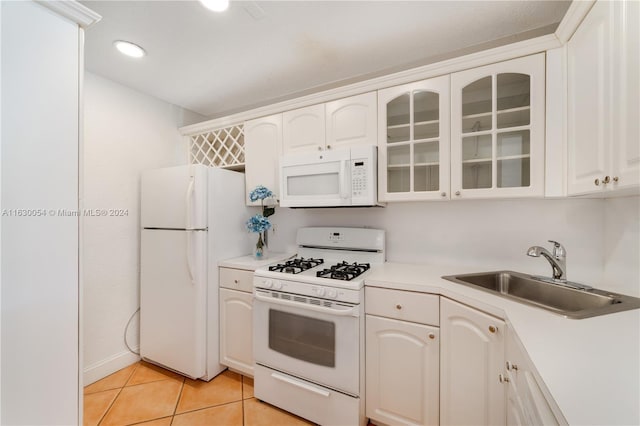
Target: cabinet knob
point(432, 336)
point(606, 179)
point(398, 306)
point(328, 146)
point(458, 193)
point(616, 179)
point(319, 148)
point(493, 329)
point(235, 281)
point(597, 182)
point(503, 379)
point(443, 194)
point(511, 366)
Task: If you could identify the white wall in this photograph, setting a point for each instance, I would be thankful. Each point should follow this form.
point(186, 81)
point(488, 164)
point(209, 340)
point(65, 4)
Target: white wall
point(599, 235)
point(40, 65)
point(622, 244)
point(126, 132)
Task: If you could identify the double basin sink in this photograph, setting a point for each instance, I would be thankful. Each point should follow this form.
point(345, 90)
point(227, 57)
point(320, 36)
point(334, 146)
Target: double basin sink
point(569, 302)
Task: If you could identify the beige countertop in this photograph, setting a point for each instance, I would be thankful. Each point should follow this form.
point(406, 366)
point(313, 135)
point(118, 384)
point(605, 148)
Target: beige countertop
point(591, 366)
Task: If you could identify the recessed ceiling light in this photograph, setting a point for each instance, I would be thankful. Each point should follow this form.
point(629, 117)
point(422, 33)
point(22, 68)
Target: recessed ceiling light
point(129, 49)
point(215, 5)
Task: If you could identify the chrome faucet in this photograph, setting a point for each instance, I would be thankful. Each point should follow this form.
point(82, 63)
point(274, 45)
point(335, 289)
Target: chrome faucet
point(557, 259)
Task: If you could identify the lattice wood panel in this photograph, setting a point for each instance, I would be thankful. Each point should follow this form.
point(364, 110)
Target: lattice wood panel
point(219, 148)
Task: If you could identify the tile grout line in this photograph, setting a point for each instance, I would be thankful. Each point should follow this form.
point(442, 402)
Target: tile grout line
point(175, 409)
point(242, 396)
point(205, 408)
point(146, 421)
point(114, 399)
point(109, 407)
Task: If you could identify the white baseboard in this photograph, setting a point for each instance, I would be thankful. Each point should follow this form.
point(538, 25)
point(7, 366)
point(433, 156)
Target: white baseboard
point(102, 369)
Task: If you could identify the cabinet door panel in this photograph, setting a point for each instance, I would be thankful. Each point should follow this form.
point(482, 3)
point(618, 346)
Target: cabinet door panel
point(626, 101)
point(303, 129)
point(529, 402)
point(352, 121)
point(402, 372)
point(589, 130)
point(472, 357)
point(263, 147)
point(413, 141)
point(236, 330)
point(497, 129)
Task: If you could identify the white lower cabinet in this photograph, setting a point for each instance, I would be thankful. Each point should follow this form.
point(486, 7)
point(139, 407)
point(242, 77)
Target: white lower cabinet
point(402, 358)
point(528, 401)
point(472, 390)
point(236, 321)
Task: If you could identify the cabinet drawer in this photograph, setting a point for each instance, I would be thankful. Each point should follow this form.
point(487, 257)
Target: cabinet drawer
point(403, 305)
point(236, 279)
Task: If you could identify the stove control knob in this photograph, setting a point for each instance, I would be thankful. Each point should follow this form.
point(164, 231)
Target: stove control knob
point(332, 293)
point(267, 283)
point(320, 291)
point(277, 285)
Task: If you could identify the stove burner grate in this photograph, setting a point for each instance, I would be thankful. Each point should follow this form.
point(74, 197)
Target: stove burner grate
point(344, 271)
point(295, 266)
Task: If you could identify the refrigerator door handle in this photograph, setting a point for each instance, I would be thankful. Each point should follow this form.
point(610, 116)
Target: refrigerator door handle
point(190, 191)
point(189, 267)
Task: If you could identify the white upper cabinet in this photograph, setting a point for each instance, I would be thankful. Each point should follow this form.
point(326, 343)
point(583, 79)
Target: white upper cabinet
point(262, 150)
point(351, 121)
point(303, 130)
point(337, 124)
point(603, 135)
point(497, 129)
point(413, 141)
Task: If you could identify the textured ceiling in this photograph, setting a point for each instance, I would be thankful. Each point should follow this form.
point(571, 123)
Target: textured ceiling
point(259, 52)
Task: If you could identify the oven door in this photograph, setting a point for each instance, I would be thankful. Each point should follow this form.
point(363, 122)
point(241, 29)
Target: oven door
point(313, 342)
point(316, 180)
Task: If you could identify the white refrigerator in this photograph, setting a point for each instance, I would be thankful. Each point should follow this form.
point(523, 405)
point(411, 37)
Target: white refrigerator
point(191, 218)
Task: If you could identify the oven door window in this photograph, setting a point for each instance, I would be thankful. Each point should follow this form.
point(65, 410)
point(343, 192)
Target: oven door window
point(308, 339)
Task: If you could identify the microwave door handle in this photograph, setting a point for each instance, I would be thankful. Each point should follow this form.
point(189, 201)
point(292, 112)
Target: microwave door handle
point(353, 311)
point(344, 194)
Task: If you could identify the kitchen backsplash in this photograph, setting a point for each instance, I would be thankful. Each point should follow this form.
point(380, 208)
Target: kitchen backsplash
point(600, 240)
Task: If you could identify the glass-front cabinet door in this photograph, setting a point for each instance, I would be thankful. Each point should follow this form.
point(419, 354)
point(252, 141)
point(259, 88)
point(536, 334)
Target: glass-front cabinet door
point(413, 141)
point(497, 130)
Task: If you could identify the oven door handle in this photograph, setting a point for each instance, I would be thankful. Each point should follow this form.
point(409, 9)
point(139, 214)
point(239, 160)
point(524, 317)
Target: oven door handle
point(301, 385)
point(352, 311)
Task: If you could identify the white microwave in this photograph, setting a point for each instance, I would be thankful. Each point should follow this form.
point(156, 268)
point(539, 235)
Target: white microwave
point(333, 178)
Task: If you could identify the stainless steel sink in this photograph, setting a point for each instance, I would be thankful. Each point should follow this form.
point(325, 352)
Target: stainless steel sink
point(565, 301)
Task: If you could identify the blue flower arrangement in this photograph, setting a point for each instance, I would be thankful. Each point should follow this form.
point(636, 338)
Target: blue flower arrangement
point(260, 223)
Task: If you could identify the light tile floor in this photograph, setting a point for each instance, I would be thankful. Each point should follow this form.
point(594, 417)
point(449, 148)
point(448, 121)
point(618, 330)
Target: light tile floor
point(144, 394)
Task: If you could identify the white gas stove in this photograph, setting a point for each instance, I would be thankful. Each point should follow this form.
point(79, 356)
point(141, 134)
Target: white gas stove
point(309, 321)
point(329, 260)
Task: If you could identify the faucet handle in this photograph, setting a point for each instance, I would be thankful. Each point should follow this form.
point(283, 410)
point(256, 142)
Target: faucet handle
point(558, 249)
